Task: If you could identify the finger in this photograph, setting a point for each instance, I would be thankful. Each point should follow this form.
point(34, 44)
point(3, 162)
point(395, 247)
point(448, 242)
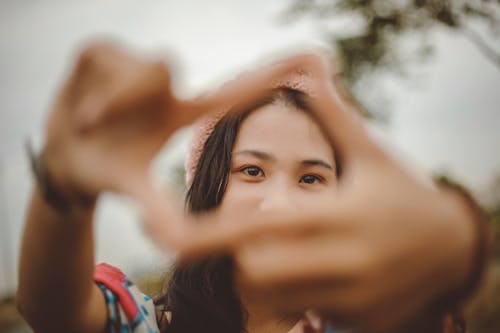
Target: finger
point(164, 220)
point(337, 115)
point(250, 86)
point(341, 121)
point(141, 91)
point(163, 216)
point(85, 86)
point(292, 276)
point(329, 256)
point(214, 233)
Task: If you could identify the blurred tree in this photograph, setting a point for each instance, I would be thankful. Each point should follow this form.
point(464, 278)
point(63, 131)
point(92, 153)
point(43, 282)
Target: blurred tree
point(382, 26)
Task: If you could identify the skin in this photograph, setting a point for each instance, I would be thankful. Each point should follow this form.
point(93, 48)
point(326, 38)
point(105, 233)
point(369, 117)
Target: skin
point(353, 256)
point(277, 169)
point(111, 116)
point(385, 242)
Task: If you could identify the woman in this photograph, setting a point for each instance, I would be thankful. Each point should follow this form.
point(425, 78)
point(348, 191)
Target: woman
point(110, 119)
point(249, 164)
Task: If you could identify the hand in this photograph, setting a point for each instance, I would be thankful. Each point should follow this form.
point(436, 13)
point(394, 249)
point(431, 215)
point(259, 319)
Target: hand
point(375, 257)
point(112, 115)
point(110, 118)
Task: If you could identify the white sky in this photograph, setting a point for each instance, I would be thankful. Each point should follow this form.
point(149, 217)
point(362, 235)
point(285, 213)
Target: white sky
point(444, 116)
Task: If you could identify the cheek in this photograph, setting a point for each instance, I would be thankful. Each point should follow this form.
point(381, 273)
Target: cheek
point(306, 198)
point(240, 197)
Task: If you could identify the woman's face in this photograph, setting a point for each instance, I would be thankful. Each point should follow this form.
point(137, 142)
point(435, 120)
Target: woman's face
point(281, 161)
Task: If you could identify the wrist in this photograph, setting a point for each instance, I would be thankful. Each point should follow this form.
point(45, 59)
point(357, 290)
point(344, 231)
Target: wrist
point(77, 216)
point(56, 192)
point(472, 246)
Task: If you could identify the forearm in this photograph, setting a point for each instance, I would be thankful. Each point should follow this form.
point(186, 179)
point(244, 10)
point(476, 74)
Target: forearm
point(468, 236)
point(56, 287)
point(471, 259)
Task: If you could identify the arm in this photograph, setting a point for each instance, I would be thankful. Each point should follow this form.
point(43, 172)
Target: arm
point(109, 120)
point(56, 290)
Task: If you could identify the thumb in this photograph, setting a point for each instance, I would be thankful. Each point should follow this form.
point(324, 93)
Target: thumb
point(215, 233)
point(163, 215)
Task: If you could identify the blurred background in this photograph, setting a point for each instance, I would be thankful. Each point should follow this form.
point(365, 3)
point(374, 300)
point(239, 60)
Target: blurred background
point(427, 73)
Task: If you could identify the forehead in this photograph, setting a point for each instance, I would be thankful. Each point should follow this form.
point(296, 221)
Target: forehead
point(283, 130)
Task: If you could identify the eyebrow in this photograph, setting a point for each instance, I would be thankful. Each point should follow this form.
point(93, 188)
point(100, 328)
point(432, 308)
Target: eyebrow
point(256, 153)
point(317, 162)
point(269, 157)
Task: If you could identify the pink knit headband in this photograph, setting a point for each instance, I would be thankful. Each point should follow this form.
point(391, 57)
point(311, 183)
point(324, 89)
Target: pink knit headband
point(299, 80)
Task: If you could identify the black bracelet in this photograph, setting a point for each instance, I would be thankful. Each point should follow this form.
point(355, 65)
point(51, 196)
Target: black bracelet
point(50, 192)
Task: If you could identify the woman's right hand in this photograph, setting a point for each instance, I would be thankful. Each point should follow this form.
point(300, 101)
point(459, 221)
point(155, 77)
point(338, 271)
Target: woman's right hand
point(386, 251)
point(111, 117)
point(108, 121)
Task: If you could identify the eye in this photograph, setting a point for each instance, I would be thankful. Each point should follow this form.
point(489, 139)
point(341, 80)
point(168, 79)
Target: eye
point(310, 179)
point(253, 171)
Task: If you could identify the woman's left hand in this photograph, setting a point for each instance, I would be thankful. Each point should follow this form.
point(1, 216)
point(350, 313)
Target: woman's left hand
point(375, 257)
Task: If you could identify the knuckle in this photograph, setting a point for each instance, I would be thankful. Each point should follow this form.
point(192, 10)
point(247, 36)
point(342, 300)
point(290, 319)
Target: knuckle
point(315, 61)
point(88, 54)
point(93, 51)
point(158, 71)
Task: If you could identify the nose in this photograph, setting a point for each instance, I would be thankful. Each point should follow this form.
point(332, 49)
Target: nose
point(278, 197)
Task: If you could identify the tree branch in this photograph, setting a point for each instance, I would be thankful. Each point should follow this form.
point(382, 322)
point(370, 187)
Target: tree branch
point(483, 46)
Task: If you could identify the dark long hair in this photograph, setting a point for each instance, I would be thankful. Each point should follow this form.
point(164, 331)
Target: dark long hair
point(201, 295)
